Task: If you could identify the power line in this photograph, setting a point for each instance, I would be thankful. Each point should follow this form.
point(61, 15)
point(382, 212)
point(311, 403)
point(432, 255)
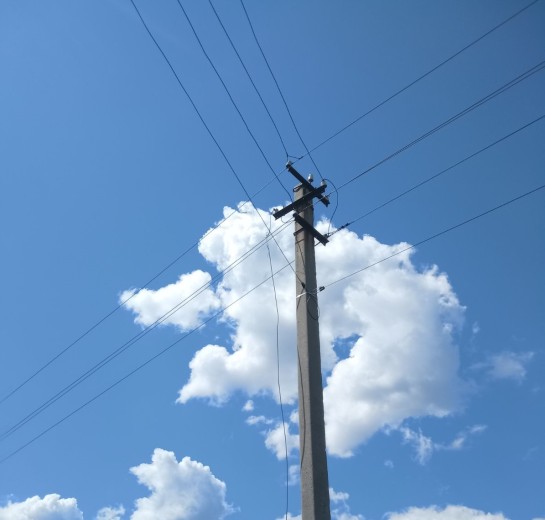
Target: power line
point(448, 230)
point(250, 78)
point(123, 303)
point(414, 82)
point(218, 146)
point(143, 286)
point(137, 369)
point(527, 74)
point(278, 378)
point(308, 152)
point(435, 176)
point(166, 349)
point(233, 102)
point(109, 314)
point(131, 342)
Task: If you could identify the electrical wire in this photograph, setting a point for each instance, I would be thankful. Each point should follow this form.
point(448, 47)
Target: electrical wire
point(207, 128)
point(414, 82)
point(135, 370)
point(506, 86)
point(435, 176)
point(233, 102)
point(166, 349)
point(123, 303)
point(132, 341)
point(436, 235)
point(278, 377)
point(250, 78)
point(308, 152)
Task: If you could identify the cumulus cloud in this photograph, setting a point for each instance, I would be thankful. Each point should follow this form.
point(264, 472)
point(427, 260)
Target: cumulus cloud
point(111, 513)
point(195, 300)
point(451, 512)
point(399, 322)
point(185, 490)
point(50, 507)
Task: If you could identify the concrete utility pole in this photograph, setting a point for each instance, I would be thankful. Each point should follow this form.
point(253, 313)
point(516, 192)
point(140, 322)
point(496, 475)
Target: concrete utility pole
point(314, 477)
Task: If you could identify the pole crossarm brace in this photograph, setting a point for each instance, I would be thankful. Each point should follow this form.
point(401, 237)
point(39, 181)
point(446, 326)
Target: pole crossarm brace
point(302, 202)
point(313, 231)
point(299, 204)
point(305, 183)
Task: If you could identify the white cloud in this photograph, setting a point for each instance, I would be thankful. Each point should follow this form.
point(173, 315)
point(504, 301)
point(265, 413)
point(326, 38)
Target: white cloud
point(248, 406)
point(403, 362)
point(149, 305)
point(339, 506)
point(294, 475)
point(450, 512)
point(50, 507)
point(277, 439)
point(185, 490)
point(258, 419)
point(508, 365)
point(424, 446)
point(277, 443)
point(111, 513)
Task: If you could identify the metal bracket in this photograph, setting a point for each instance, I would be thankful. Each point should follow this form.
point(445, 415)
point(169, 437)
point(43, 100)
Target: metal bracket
point(296, 205)
point(307, 227)
point(305, 183)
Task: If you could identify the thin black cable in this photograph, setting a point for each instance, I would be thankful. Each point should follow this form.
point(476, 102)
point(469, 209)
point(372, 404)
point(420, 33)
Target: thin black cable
point(278, 378)
point(336, 205)
point(207, 56)
point(527, 74)
point(308, 152)
point(456, 226)
point(251, 79)
point(421, 77)
point(132, 341)
point(135, 370)
point(122, 304)
point(113, 311)
point(429, 179)
point(139, 367)
point(218, 146)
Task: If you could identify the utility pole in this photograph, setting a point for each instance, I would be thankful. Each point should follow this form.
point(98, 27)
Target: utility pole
point(314, 477)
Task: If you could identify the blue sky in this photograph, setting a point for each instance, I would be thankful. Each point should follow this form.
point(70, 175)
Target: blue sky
point(433, 360)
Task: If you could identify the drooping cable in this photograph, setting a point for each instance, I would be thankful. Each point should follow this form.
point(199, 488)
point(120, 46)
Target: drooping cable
point(166, 349)
point(137, 369)
point(250, 78)
point(308, 152)
point(278, 377)
point(414, 82)
point(132, 341)
point(207, 128)
point(435, 176)
point(123, 303)
point(436, 235)
point(230, 96)
point(506, 86)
